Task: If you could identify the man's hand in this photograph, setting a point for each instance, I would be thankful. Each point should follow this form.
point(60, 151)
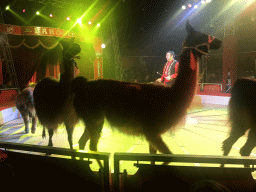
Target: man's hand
point(159, 80)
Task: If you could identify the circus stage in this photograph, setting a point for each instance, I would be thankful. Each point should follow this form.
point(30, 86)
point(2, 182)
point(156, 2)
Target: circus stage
point(203, 133)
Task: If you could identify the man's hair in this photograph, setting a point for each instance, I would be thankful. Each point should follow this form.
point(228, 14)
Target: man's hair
point(172, 52)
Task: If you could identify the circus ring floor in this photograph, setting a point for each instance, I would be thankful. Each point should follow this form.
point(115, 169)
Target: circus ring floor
point(202, 134)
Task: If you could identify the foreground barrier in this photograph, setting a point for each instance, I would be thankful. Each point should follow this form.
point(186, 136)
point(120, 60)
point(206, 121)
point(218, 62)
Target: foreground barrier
point(166, 177)
point(35, 170)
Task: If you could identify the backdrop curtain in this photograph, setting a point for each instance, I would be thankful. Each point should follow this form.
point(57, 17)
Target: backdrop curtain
point(31, 54)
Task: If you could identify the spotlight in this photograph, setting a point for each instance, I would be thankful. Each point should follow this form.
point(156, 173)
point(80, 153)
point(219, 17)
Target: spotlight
point(190, 5)
point(196, 6)
point(7, 7)
point(89, 22)
point(68, 18)
point(98, 24)
point(24, 10)
point(203, 2)
point(50, 15)
point(183, 7)
point(103, 46)
point(37, 13)
point(79, 20)
point(208, 1)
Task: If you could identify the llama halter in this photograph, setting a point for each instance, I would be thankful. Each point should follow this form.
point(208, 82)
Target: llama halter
point(196, 47)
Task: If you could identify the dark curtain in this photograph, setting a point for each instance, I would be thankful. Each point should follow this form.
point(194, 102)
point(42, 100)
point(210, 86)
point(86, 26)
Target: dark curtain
point(32, 54)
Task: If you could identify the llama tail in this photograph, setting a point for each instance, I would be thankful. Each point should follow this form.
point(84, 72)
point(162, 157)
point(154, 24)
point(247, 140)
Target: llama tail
point(43, 135)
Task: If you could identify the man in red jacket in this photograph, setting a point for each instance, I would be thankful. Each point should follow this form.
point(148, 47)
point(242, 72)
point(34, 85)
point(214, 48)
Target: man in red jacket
point(170, 70)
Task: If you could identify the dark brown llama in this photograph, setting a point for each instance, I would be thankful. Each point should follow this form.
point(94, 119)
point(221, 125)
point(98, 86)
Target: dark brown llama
point(26, 107)
point(242, 115)
point(141, 109)
point(54, 100)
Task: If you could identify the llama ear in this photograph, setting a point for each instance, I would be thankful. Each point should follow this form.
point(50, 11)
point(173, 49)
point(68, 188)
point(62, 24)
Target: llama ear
point(189, 29)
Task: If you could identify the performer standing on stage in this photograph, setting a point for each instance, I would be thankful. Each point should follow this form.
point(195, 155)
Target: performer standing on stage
point(170, 70)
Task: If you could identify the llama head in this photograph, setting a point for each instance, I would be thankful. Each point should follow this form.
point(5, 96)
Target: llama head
point(201, 42)
point(70, 49)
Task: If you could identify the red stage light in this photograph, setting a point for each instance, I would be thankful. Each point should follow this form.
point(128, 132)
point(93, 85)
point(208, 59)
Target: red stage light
point(24, 10)
point(189, 5)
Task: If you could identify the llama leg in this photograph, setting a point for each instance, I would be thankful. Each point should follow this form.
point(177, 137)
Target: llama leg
point(91, 128)
point(95, 132)
point(152, 151)
point(70, 135)
point(43, 134)
point(25, 117)
point(34, 123)
point(83, 139)
point(236, 132)
point(158, 144)
point(50, 131)
point(249, 145)
point(70, 130)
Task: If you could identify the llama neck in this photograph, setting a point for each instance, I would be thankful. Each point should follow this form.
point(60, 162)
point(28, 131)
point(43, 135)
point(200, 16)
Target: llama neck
point(186, 82)
point(68, 74)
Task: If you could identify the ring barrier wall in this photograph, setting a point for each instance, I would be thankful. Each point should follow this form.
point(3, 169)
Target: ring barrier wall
point(32, 170)
point(54, 173)
point(161, 177)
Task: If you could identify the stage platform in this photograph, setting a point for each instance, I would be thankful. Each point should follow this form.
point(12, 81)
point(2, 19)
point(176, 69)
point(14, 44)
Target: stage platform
point(205, 128)
point(9, 112)
point(214, 98)
point(203, 133)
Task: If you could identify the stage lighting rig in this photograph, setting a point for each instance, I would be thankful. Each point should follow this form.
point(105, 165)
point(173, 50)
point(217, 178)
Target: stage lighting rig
point(195, 3)
point(42, 1)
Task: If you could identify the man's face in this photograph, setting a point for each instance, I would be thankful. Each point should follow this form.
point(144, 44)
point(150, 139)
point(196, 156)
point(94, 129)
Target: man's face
point(169, 56)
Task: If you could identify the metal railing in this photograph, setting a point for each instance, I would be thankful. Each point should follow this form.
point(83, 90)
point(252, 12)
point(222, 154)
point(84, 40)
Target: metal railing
point(138, 157)
point(176, 158)
point(66, 152)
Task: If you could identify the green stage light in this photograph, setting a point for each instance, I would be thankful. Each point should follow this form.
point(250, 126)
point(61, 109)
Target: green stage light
point(79, 21)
